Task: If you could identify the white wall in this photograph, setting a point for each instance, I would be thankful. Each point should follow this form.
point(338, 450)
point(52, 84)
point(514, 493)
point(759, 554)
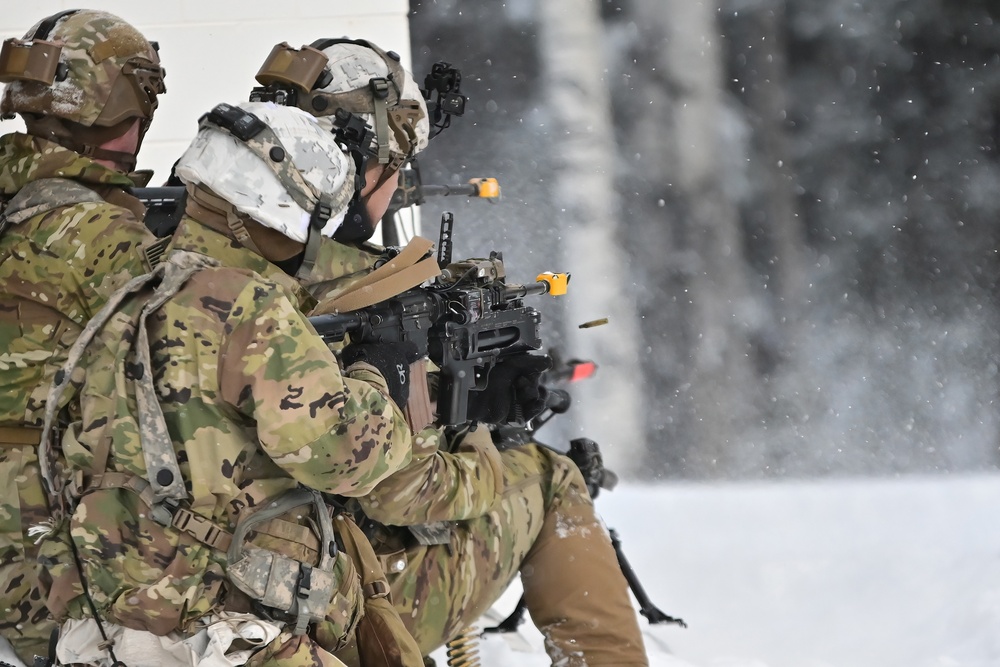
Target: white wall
point(212, 49)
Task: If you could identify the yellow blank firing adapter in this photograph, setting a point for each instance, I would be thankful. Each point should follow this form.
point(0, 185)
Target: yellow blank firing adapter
point(486, 188)
point(557, 282)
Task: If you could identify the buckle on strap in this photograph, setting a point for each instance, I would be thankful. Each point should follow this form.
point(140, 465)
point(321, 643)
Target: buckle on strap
point(375, 589)
point(201, 529)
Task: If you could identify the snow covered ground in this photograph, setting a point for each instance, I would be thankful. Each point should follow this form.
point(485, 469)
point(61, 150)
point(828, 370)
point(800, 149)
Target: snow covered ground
point(859, 573)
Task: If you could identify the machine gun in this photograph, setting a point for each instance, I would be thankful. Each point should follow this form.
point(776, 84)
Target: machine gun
point(465, 322)
point(413, 192)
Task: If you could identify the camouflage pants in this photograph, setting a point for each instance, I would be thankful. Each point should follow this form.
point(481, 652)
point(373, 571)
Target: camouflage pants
point(291, 651)
point(24, 620)
point(545, 527)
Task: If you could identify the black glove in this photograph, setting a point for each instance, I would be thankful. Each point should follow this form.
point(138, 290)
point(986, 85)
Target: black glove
point(587, 456)
point(513, 393)
point(391, 359)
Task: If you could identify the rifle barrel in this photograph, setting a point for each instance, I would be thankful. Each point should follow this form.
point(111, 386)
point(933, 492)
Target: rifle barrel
point(518, 291)
point(468, 189)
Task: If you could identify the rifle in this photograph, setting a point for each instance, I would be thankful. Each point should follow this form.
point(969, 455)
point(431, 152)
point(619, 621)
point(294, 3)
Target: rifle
point(412, 192)
point(466, 321)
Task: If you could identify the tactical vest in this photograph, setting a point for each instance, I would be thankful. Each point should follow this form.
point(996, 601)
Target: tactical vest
point(301, 591)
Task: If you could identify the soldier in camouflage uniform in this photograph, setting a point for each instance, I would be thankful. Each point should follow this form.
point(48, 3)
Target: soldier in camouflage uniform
point(196, 509)
point(86, 85)
point(456, 526)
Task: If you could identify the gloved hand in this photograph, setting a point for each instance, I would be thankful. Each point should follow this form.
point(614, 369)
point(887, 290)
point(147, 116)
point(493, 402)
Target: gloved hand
point(391, 359)
point(587, 456)
point(513, 393)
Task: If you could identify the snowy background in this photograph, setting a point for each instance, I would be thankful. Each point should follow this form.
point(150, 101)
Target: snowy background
point(803, 195)
point(901, 572)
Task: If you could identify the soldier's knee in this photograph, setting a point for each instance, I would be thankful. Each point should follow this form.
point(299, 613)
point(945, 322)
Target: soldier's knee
point(560, 479)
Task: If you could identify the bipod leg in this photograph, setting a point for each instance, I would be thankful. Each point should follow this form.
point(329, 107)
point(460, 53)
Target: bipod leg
point(510, 623)
point(646, 606)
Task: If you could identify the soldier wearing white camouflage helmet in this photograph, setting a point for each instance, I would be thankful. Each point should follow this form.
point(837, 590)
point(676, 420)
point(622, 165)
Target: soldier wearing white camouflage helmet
point(86, 85)
point(362, 91)
point(208, 438)
point(456, 526)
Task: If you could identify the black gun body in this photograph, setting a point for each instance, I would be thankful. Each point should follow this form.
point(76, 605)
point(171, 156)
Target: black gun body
point(407, 317)
point(469, 351)
point(464, 331)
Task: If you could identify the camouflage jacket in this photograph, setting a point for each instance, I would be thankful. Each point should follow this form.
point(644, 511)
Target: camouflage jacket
point(255, 404)
point(446, 481)
point(57, 267)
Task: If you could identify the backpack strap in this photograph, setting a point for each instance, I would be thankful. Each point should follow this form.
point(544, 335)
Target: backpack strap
point(158, 452)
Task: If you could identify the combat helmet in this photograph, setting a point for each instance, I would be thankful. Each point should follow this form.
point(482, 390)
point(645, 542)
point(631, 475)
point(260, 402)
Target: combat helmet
point(272, 164)
point(77, 75)
point(340, 80)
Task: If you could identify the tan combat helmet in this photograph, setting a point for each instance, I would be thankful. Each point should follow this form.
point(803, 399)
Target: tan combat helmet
point(78, 77)
point(335, 78)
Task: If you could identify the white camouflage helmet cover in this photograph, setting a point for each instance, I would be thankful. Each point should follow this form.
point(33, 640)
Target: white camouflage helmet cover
point(352, 66)
point(240, 172)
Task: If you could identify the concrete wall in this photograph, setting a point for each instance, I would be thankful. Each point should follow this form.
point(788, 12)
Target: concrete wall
point(212, 49)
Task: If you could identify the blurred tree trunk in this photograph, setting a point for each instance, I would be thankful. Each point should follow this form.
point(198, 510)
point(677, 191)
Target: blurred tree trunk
point(685, 230)
point(609, 408)
point(757, 57)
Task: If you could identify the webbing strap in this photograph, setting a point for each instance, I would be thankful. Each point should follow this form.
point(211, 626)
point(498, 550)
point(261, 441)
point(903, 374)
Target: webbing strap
point(204, 530)
point(369, 566)
point(380, 95)
point(162, 469)
point(399, 274)
point(17, 436)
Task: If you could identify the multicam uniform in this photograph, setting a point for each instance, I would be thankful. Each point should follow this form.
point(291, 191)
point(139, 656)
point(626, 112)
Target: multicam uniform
point(540, 522)
point(455, 527)
point(72, 237)
point(257, 406)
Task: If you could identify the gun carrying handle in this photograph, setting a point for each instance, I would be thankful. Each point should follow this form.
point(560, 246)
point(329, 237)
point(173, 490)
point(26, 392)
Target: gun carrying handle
point(418, 411)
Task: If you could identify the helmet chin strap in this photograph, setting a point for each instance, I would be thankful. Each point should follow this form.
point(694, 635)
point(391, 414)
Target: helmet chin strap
point(55, 130)
point(317, 221)
point(123, 159)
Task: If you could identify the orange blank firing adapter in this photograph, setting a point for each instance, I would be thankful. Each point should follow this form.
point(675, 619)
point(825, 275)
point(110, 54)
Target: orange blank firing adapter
point(558, 282)
point(486, 188)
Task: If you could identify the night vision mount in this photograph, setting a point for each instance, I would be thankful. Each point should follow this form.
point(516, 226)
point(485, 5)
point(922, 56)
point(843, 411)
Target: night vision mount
point(445, 82)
